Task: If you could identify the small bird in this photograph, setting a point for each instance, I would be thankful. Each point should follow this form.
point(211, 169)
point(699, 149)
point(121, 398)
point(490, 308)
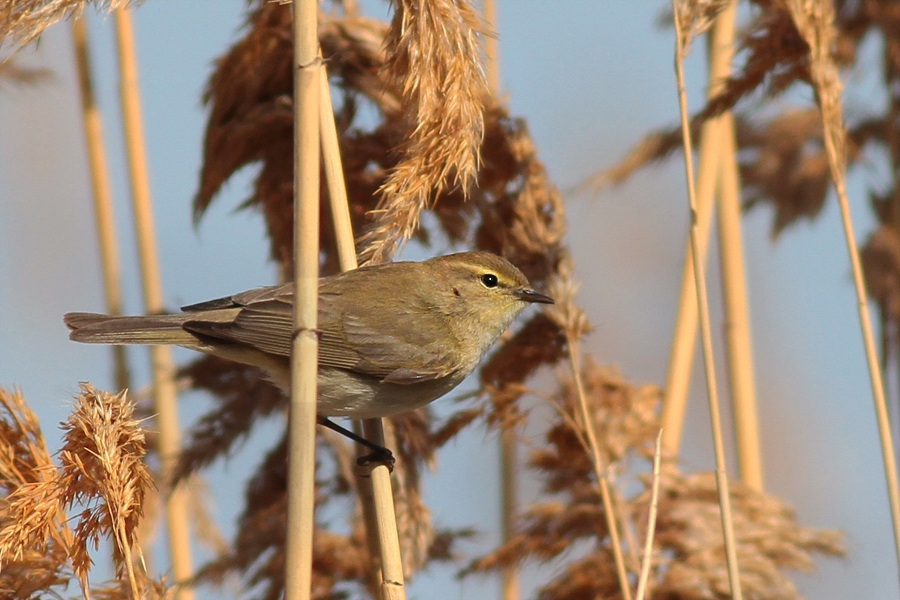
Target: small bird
point(392, 337)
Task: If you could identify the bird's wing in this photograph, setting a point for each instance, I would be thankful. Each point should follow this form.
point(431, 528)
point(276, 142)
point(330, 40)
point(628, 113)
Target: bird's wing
point(264, 324)
point(350, 337)
point(368, 342)
point(240, 300)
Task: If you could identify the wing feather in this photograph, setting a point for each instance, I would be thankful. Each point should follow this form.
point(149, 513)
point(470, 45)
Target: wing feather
point(352, 336)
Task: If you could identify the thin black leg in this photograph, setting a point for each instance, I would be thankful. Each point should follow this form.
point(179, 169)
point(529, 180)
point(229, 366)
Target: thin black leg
point(379, 454)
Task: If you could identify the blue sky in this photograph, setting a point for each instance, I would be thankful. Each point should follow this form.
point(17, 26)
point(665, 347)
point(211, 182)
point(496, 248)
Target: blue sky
point(591, 78)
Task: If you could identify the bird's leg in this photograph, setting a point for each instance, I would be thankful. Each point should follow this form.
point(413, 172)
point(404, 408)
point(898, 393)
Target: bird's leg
point(379, 454)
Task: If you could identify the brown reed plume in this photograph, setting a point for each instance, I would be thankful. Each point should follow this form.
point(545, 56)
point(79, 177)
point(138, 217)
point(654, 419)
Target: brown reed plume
point(250, 120)
point(21, 21)
point(102, 459)
point(688, 557)
point(434, 58)
point(35, 537)
point(101, 472)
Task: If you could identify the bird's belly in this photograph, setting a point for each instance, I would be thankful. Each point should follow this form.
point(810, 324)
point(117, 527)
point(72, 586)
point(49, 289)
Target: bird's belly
point(344, 394)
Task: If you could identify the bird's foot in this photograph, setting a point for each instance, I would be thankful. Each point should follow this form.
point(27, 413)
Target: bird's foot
point(378, 455)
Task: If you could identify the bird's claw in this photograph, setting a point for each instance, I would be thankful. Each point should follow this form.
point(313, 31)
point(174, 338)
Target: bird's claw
point(379, 456)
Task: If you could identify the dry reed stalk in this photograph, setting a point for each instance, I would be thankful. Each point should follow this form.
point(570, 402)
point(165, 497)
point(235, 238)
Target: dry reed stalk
point(738, 339)
point(334, 175)
point(304, 348)
point(717, 137)
point(100, 186)
point(815, 22)
point(433, 56)
point(647, 558)
point(392, 584)
point(687, 24)
point(21, 21)
point(738, 345)
point(102, 479)
point(346, 251)
point(601, 469)
point(684, 338)
point(163, 369)
point(380, 516)
point(509, 485)
point(491, 47)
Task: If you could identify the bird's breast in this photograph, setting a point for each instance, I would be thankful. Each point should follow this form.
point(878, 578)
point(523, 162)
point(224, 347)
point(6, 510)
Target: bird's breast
point(345, 394)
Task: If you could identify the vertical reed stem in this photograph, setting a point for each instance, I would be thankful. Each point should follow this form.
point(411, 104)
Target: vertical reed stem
point(381, 523)
point(716, 139)
point(738, 337)
point(101, 190)
point(601, 470)
point(393, 585)
point(304, 349)
point(815, 22)
point(334, 177)
point(705, 330)
point(865, 324)
point(647, 560)
point(492, 47)
point(509, 485)
point(684, 338)
point(164, 391)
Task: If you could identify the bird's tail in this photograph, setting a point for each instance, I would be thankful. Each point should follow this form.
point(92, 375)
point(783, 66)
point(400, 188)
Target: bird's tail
point(155, 330)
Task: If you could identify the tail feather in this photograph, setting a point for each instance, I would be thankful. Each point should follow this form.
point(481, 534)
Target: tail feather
point(92, 328)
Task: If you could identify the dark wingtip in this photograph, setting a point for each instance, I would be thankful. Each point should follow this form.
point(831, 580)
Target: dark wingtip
point(77, 320)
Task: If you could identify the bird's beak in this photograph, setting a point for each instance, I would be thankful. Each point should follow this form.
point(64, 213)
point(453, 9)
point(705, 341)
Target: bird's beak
point(532, 296)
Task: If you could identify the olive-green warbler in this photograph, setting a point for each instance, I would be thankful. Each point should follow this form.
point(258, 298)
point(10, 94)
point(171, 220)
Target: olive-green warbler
point(392, 337)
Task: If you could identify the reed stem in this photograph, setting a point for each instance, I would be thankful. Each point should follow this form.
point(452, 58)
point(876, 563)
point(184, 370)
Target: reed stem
point(102, 194)
point(815, 22)
point(491, 47)
point(601, 470)
point(647, 561)
point(304, 349)
point(684, 338)
point(377, 493)
point(163, 367)
point(705, 329)
point(738, 339)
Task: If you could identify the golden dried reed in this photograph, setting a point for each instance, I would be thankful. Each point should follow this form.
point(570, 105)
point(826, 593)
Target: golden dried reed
point(815, 22)
point(435, 59)
point(684, 31)
point(101, 472)
point(21, 21)
point(688, 554)
point(102, 460)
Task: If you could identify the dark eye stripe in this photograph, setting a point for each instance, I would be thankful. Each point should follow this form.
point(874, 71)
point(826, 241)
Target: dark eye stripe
point(489, 280)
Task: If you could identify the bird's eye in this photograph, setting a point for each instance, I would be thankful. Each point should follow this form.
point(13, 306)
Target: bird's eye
point(489, 280)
